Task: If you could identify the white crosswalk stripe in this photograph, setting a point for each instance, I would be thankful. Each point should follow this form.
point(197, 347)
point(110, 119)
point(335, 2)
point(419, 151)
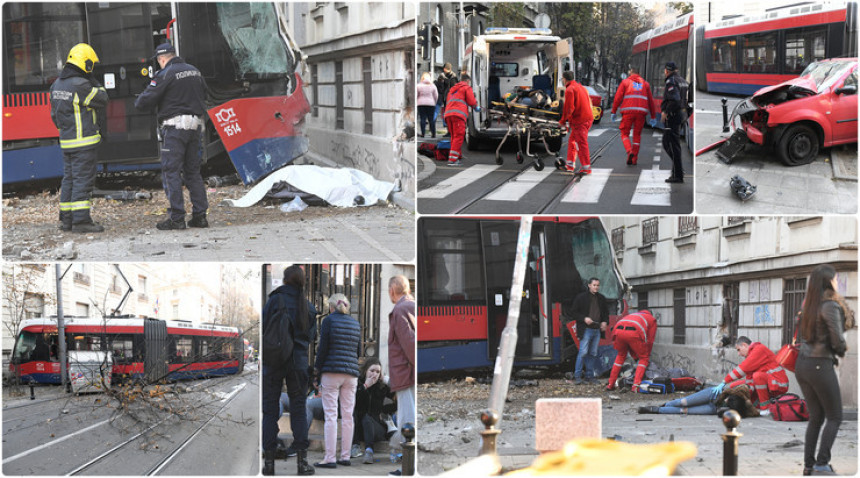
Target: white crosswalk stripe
point(588, 190)
point(652, 189)
point(516, 189)
point(458, 181)
point(596, 132)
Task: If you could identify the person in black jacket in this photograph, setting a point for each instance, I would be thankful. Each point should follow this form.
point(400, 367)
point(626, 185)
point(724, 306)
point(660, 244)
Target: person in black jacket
point(337, 365)
point(369, 406)
point(179, 91)
point(303, 330)
point(823, 319)
point(75, 97)
point(674, 108)
point(592, 317)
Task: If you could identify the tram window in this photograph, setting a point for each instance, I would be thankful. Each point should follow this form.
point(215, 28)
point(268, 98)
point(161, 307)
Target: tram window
point(759, 53)
point(184, 350)
point(37, 38)
point(454, 271)
point(122, 348)
point(587, 247)
point(804, 46)
point(24, 346)
point(723, 55)
point(250, 30)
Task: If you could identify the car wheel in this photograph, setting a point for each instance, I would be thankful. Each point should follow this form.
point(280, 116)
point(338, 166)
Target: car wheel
point(798, 145)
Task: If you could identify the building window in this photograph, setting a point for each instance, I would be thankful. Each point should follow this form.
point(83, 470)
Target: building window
point(338, 93)
point(679, 306)
point(642, 301)
point(34, 305)
point(314, 91)
point(82, 309)
point(175, 311)
point(793, 293)
point(367, 78)
point(649, 231)
point(688, 225)
point(618, 239)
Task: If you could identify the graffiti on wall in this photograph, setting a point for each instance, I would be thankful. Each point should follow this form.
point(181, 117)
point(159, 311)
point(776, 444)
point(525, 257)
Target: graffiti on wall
point(763, 315)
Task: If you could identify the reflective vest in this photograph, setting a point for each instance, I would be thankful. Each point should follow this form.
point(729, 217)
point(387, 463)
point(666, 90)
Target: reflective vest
point(760, 359)
point(633, 95)
point(460, 98)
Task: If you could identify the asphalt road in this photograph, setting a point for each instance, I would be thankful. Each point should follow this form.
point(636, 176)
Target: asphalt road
point(213, 429)
point(480, 186)
point(828, 185)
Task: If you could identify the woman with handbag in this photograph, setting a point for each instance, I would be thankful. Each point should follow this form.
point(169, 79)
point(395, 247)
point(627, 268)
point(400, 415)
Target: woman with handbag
point(822, 322)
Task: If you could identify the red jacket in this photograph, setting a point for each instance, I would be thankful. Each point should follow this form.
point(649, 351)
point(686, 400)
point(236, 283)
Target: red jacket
point(643, 323)
point(634, 95)
point(460, 98)
point(577, 105)
point(759, 359)
point(401, 345)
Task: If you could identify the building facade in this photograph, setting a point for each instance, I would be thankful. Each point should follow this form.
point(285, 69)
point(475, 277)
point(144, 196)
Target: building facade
point(360, 85)
point(706, 277)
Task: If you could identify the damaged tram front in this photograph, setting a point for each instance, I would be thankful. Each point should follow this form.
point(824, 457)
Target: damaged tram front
point(244, 51)
point(798, 117)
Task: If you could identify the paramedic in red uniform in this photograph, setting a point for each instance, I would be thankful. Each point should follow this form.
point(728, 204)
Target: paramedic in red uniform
point(759, 370)
point(577, 114)
point(460, 98)
point(633, 100)
point(635, 334)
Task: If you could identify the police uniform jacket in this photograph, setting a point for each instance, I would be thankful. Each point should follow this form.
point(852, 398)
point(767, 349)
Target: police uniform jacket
point(460, 98)
point(340, 341)
point(75, 96)
point(177, 89)
point(675, 96)
point(633, 96)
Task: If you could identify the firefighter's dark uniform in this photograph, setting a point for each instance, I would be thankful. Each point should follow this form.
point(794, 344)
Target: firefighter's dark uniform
point(179, 91)
point(75, 96)
point(674, 105)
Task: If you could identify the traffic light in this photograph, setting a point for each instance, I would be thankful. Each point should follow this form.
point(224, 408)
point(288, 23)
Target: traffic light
point(435, 35)
point(422, 42)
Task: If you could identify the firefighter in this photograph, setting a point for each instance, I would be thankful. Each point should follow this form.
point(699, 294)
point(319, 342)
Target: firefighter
point(635, 334)
point(674, 108)
point(633, 100)
point(75, 97)
point(759, 371)
point(460, 98)
point(578, 116)
point(179, 91)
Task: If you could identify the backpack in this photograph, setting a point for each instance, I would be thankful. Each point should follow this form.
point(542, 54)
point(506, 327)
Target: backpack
point(277, 340)
point(789, 408)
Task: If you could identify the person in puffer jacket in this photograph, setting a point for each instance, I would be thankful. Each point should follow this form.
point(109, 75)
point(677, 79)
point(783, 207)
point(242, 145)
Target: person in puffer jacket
point(337, 363)
point(75, 98)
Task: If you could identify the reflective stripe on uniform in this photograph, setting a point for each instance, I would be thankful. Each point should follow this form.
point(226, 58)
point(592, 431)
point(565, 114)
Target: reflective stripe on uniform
point(75, 206)
point(740, 373)
point(634, 108)
point(78, 127)
point(456, 112)
point(91, 96)
point(80, 142)
point(775, 370)
point(455, 100)
point(641, 97)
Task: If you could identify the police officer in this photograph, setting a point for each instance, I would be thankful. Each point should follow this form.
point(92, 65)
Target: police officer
point(674, 108)
point(74, 98)
point(179, 91)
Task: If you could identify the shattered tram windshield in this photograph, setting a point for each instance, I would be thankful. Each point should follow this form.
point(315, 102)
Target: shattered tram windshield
point(251, 31)
point(825, 73)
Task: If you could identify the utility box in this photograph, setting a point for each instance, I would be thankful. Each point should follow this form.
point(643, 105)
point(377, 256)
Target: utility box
point(89, 371)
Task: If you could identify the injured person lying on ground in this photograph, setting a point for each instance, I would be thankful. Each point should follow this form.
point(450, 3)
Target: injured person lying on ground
point(709, 401)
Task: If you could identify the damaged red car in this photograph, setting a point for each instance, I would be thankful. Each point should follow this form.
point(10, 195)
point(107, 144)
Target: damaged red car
point(798, 117)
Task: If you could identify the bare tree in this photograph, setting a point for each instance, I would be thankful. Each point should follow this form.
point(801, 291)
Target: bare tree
point(22, 290)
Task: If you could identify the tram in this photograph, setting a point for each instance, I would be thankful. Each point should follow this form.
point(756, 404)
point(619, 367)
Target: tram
point(741, 55)
point(249, 61)
point(151, 350)
point(465, 266)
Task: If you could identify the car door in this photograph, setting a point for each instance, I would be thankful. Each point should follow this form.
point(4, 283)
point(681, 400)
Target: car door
point(843, 104)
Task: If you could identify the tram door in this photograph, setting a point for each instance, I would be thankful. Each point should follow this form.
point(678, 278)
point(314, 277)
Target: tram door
point(500, 245)
point(155, 356)
point(122, 36)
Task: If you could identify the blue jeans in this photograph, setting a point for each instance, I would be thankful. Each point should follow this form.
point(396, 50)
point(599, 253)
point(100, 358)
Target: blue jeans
point(587, 348)
point(702, 402)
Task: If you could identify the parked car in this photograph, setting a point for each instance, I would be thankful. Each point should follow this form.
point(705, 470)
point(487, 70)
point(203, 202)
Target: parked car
point(596, 103)
point(798, 117)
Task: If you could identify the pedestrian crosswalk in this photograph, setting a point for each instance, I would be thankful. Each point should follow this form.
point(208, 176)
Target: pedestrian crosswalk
point(651, 188)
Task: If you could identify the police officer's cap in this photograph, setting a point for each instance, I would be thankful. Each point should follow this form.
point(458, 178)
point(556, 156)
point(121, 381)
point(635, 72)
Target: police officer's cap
point(671, 66)
point(163, 49)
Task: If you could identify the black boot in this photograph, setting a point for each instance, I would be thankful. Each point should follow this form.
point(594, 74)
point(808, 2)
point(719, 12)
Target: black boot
point(268, 462)
point(198, 220)
point(649, 409)
point(65, 221)
point(303, 468)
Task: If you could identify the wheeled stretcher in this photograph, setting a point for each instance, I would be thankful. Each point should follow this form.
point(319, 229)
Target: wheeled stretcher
point(527, 122)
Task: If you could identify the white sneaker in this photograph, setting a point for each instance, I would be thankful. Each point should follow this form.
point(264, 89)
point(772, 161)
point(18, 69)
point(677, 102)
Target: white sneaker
point(764, 413)
point(356, 451)
point(368, 456)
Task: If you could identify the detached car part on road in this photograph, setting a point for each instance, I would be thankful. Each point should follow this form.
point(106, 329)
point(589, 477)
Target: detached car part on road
point(798, 117)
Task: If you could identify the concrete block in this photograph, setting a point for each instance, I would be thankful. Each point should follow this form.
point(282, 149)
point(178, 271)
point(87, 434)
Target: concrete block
point(559, 420)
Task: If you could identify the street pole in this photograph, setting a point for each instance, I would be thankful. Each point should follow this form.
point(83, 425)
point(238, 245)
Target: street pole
point(61, 327)
point(462, 44)
point(508, 344)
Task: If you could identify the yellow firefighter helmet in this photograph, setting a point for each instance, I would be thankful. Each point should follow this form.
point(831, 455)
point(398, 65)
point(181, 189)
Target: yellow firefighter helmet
point(83, 56)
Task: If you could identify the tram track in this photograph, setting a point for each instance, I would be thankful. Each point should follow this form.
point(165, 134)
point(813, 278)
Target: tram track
point(488, 190)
